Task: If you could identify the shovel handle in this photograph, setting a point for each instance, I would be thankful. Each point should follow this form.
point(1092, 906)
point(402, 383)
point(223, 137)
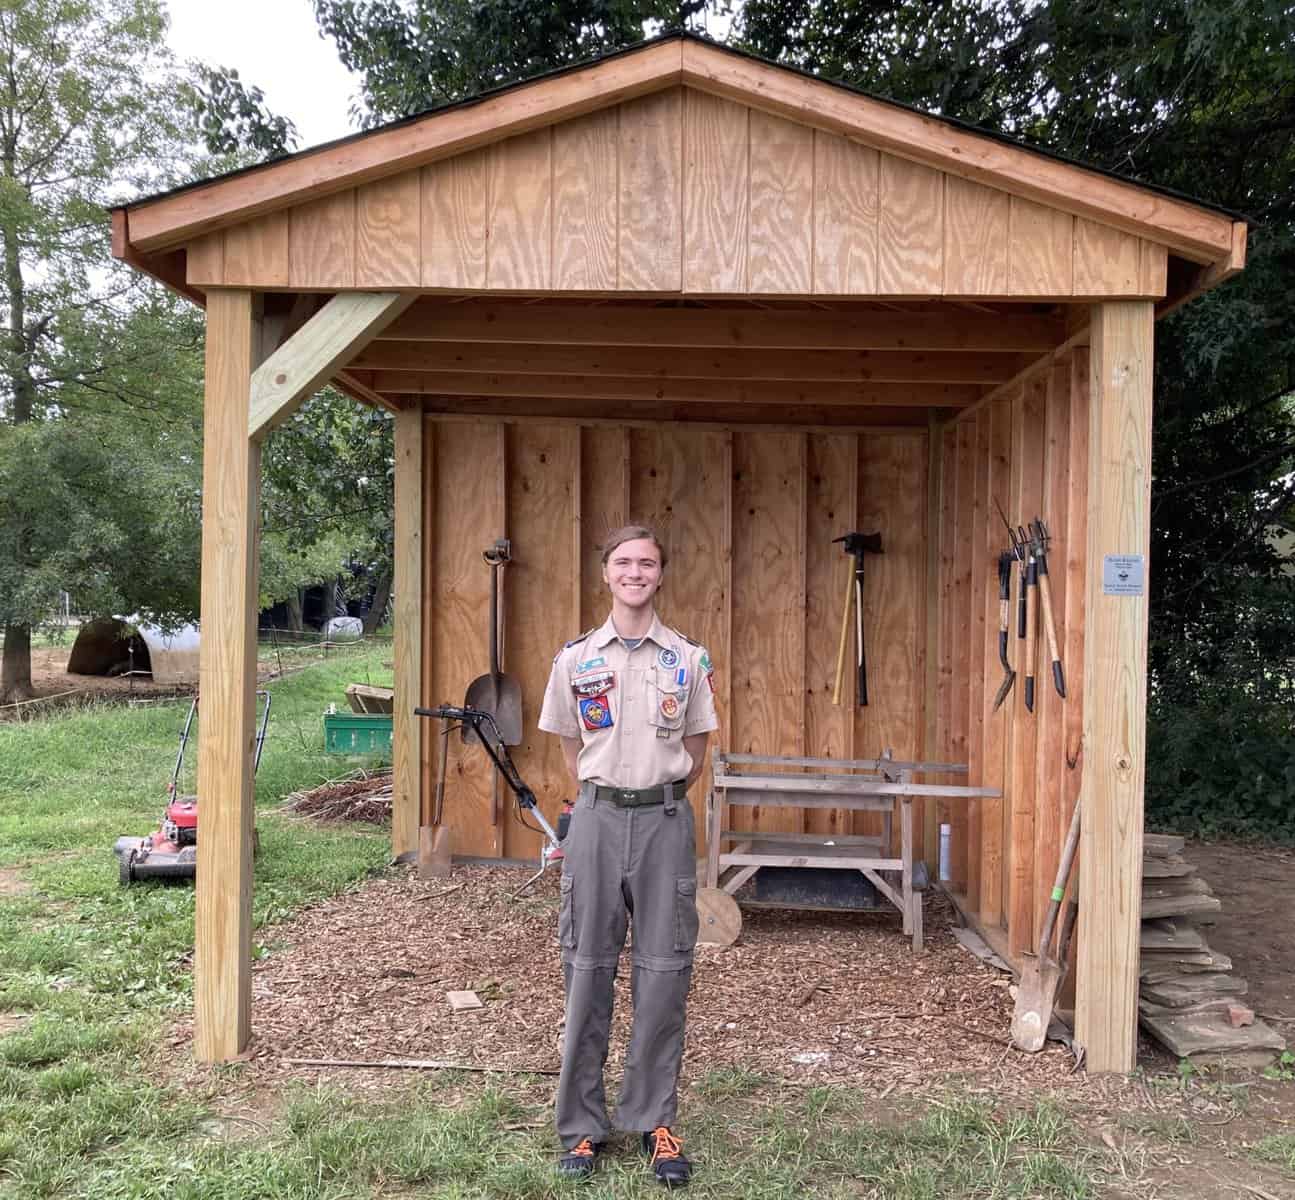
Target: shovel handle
point(845, 634)
point(1050, 628)
point(1059, 887)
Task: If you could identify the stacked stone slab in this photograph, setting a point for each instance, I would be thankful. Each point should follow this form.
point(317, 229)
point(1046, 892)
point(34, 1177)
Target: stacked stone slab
point(1189, 1000)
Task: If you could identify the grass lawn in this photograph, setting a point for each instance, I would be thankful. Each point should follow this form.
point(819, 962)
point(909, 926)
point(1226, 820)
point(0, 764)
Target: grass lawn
point(93, 976)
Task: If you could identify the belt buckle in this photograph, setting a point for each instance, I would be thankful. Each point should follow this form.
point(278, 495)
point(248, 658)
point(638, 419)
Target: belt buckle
point(627, 797)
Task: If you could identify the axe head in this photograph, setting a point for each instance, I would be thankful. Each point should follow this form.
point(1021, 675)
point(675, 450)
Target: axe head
point(860, 544)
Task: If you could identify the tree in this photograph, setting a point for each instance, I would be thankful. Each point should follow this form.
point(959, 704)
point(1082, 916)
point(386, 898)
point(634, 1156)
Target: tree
point(415, 55)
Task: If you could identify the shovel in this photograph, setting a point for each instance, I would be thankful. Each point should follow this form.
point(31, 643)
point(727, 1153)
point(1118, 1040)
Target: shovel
point(1041, 976)
point(498, 694)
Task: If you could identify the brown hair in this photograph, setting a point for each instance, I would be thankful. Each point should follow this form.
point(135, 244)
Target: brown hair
point(630, 533)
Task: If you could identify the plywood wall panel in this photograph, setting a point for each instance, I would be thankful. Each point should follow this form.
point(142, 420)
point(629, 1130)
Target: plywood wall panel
point(604, 506)
point(321, 242)
point(892, 500)
point(910, 236)
point(975, 239)
point(388, 236)
point(782, 206)
point(542, 466)
point(205, 260)
point(1153, 269)
point(1041, 250)
point(716, 180)
point(455, 196)
point(584, 202)
point(650, 203)
point(768, 635)
point(1107, 261)
point(946, 536)
point(966, 518)
point(845, 216)
point(832, 500)
point(518, 223)
point(256, 252)
point(982, 665)
point(467, 463)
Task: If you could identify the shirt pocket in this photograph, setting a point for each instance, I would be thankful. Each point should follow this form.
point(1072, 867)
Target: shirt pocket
point(666, 701)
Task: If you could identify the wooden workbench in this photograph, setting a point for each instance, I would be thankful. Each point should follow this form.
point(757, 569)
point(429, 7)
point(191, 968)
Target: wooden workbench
point(858, 785)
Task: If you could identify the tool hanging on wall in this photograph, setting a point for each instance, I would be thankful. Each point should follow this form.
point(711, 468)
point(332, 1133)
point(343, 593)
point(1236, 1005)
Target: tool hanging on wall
point(845, 634)
point(1004, 623)
point(1039, 539)
point(857, 545)
point(1030, 586)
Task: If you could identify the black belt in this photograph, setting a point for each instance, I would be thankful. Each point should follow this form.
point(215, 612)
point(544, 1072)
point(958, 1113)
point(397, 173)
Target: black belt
point(641, 797)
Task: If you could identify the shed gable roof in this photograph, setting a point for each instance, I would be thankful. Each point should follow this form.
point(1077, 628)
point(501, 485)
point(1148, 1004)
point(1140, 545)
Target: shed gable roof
point(901, 135)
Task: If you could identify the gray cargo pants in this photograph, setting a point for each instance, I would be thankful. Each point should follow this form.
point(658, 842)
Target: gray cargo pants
point(618, 863)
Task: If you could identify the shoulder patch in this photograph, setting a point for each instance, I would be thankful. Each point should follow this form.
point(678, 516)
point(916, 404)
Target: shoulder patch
point(575, 641)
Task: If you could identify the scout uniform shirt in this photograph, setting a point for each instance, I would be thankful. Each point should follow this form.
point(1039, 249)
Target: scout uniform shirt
point(631, 709)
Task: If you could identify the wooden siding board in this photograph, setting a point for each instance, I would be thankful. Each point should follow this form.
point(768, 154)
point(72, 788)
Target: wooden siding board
point(975, 239)
point(966, 518)
point(205, 261)
point(584, 203)
point(388, 235)
point(542, 464)
point(845, 216)
point(518, 224)
point(321, 242)
point(716, 181)
point(604, 506)
point(1041, 250)
point(649, 200)
point(455, 195)
point(256, 252)
point(982, 586)
point(910, 235)
point(780, 258)
point(1107, 261)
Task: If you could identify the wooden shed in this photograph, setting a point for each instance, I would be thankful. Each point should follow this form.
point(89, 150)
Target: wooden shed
point(689, 286)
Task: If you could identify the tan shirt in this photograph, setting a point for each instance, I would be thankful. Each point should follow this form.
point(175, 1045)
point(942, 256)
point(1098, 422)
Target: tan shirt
point(631, 709)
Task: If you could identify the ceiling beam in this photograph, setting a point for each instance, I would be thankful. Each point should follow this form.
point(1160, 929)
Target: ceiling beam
point(819, 366)
point(715, 328)
point(669, 391)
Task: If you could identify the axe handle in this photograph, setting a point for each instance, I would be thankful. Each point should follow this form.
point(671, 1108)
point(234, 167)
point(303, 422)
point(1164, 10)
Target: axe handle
point(845, 633)
point(862, 686)
point(1031, 630)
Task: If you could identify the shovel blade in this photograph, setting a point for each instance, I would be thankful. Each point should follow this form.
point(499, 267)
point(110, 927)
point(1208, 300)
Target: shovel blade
point(1036, 995)
point(433, 851)
point(501, 697)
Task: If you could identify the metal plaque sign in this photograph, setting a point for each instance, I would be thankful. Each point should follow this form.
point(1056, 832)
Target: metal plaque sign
point(1124, 575)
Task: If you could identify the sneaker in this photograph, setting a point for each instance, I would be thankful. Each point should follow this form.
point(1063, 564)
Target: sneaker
point(578, 1162)
point(668, 1162)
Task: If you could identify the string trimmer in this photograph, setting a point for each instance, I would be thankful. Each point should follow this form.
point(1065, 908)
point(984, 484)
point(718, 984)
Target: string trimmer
point(483, 725)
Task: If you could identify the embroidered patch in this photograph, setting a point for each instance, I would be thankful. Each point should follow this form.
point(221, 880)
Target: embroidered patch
point(596, 713)
point(710, 678)
point(704, 664)
point(669, 707)
point(600, 661)
point(599, 683)
point(681, 677)
point(669, 657)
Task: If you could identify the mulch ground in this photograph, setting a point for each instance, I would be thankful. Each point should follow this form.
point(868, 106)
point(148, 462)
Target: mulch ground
point(808, 997)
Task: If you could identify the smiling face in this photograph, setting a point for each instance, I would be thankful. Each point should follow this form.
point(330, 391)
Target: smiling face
point(633, 572)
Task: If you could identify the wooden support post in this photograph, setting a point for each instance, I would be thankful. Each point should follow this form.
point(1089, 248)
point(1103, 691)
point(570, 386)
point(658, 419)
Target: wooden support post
point(231, 476)
point(408, 630)
point(931, 743)
point(1119, 494)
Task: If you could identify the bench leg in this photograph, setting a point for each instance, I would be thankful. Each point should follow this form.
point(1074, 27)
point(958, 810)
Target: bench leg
point(714, 813)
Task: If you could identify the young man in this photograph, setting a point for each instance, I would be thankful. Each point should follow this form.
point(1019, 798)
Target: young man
point(633, 704)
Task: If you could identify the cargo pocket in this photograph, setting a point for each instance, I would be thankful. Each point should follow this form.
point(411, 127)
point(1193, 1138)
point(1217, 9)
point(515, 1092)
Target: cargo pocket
point(567, 913)
point(685, 915)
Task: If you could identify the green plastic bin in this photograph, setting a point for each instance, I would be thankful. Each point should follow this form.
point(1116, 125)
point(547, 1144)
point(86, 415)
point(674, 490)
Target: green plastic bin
point(357, 733)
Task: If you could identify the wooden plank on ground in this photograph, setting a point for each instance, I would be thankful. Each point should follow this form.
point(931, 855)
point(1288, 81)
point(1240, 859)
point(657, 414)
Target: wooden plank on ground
point(1115, 669)
point(584, 203)
point(845, 216)
point(650, 205)
point(716, 182)
point(780, 255)
point(222, 983)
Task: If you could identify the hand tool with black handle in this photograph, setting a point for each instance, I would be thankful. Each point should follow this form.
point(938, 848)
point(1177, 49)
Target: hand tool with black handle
point(1030, 585)
point(857, 545)
point(1004, 617)
point(1039, 539)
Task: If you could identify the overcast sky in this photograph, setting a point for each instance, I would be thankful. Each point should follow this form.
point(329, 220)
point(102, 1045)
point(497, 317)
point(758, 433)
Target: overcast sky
point(274, 45)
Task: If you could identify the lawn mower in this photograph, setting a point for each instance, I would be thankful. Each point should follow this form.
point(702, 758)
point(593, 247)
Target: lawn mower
point(171, 850)
point(482, 723)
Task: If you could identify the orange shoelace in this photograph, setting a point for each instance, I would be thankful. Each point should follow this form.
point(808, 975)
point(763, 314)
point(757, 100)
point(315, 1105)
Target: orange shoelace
point(583, 1149)
point(665, 1144)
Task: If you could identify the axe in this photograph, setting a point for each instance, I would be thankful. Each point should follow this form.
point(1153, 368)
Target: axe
point(857, 545)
